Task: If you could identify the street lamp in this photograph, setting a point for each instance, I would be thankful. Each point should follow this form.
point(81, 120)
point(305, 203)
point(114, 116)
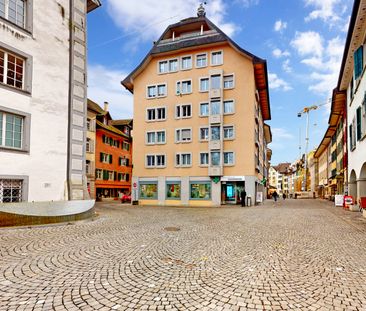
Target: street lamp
point(307, 110)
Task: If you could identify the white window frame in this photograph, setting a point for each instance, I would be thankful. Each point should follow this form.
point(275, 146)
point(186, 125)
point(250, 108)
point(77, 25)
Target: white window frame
point(167, 64)
point(171, 60)
point(155, 137)
point(223, 158)
point(199, 133)
point(222, 57)
point(178, 137)
point(223, 131)
point(199, 109)
point(156, 86)
point(196, 58)
point(5, 73)
point(181, 62)
point(223, 81)
point(25, 130)
point(156, 114)
point(179, 87)
point(25, 21)
point(180, 108)
point(97, 175)
point(208, 159)
point(155, 155)
point(223, 106)
point(208, 84)
point(180, 155)
point(109, 175)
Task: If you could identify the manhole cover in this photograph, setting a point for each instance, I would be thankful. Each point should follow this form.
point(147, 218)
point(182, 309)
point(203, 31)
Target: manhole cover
point(171, 229)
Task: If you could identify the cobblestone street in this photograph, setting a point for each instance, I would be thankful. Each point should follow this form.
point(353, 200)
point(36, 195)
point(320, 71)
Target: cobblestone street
point(292, 255)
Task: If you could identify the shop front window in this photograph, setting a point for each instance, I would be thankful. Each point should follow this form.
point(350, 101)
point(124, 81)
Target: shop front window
point(149, 191)
point(173, 190)
point(200, 191)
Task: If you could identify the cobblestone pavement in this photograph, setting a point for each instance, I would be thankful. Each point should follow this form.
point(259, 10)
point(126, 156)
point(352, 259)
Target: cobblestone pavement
point(292, 255)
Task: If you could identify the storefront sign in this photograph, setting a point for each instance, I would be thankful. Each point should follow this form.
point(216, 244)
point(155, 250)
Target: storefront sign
point(259, 197)
point(348, 200)
point(338, 200)
point(233, 178)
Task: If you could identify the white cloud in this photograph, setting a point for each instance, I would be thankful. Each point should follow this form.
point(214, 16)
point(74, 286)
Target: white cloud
point(280, 138)
point(326, 10)
point(286, 67)
point(280, 26)
point(324, 59)
point(149, 18)
point(278, 53)
point(104, 84)
point(277, 83)
point(248, 3)
point(281, 133)
point(308, 43)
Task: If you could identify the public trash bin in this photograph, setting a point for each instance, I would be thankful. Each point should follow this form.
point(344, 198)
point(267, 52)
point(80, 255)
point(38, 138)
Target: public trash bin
point(249, 200)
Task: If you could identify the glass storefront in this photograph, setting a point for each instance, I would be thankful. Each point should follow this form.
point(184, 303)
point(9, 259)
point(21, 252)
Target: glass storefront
point(200, 190)
point(173, 190)
point(148, 191)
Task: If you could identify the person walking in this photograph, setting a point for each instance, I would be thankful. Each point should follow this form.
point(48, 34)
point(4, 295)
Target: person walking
point(284, 196)
point(275, 195)
point(243, 194)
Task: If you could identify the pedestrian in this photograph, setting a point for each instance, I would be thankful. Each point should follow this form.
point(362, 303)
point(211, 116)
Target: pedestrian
point(243, 194)
point(275, 195)
point(284, 196)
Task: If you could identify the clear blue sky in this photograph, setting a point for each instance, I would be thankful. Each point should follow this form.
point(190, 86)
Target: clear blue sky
point(302, 41)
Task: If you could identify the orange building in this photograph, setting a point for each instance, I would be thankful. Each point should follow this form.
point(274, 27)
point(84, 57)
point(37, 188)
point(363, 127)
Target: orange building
point(113, 154)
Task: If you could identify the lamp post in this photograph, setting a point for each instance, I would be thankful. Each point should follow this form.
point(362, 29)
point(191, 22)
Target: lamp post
point(306, 110)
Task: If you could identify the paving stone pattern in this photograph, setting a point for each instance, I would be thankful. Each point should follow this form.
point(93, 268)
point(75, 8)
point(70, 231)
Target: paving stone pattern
point(292, 255)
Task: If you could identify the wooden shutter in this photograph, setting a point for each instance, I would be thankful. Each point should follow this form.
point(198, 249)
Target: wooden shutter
point(127, 177)
point(358, 62)
point(101, 157)
point(105, 175)
point(110, 159)
point(127, 162)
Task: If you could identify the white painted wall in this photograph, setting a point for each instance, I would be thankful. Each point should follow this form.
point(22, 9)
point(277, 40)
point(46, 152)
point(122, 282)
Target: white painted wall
point(48, 103)
point(357, 157)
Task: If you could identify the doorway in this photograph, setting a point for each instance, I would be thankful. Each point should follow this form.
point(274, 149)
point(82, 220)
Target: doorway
point(231, 192)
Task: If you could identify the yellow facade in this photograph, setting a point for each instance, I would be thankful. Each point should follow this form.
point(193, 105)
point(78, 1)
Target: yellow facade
point(246, 148)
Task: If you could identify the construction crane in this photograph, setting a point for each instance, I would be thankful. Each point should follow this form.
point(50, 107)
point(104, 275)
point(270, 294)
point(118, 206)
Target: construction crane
point(299, 114)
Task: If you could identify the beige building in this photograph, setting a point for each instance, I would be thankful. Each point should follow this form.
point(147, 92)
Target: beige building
point(200, 102)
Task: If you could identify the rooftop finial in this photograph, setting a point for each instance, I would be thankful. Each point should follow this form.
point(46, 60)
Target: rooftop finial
point(201, 10)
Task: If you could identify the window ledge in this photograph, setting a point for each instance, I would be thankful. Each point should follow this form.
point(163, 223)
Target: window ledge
point(17, 27)
point(9, 149)
point(14, 89)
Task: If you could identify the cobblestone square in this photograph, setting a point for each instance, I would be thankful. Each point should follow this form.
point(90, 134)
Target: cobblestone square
point(292, 255)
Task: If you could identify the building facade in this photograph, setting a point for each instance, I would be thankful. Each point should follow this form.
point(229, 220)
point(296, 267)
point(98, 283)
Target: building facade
point(200, 102)
point(43, 100)
point(113, 155)
point(352, 82)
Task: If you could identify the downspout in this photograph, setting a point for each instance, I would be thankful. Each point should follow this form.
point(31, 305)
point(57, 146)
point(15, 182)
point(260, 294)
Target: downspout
point(71, 65)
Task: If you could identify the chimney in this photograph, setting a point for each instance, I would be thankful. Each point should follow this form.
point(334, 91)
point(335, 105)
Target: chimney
point(106, 106)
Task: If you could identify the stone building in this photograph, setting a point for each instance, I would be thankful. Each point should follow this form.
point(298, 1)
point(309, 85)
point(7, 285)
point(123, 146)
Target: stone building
point(43, 101)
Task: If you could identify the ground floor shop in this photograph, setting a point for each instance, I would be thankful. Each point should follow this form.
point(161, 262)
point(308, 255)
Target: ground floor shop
point(357, 182)
point(111, 192)
point(196, 191)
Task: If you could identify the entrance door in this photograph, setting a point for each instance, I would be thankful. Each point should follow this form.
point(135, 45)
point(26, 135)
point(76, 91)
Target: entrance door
point(230, 193)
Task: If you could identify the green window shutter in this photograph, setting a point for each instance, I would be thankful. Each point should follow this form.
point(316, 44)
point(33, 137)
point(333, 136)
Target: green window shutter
point(105, 175)
point(358, 62)
point(350, 137)
point(103, 138)
point(110, 159)
point(119, 176)
point(101, 157)
point(358, 120)
point(127, 162)
point(127, 177)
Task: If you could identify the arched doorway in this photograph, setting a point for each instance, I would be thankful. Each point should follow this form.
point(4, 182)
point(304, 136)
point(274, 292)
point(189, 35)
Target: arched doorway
point(352, 185)
point(361, 183)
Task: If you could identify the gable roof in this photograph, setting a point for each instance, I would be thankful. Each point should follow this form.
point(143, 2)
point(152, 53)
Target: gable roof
point(210, 35)
point(92, 5)
point(95, 107)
